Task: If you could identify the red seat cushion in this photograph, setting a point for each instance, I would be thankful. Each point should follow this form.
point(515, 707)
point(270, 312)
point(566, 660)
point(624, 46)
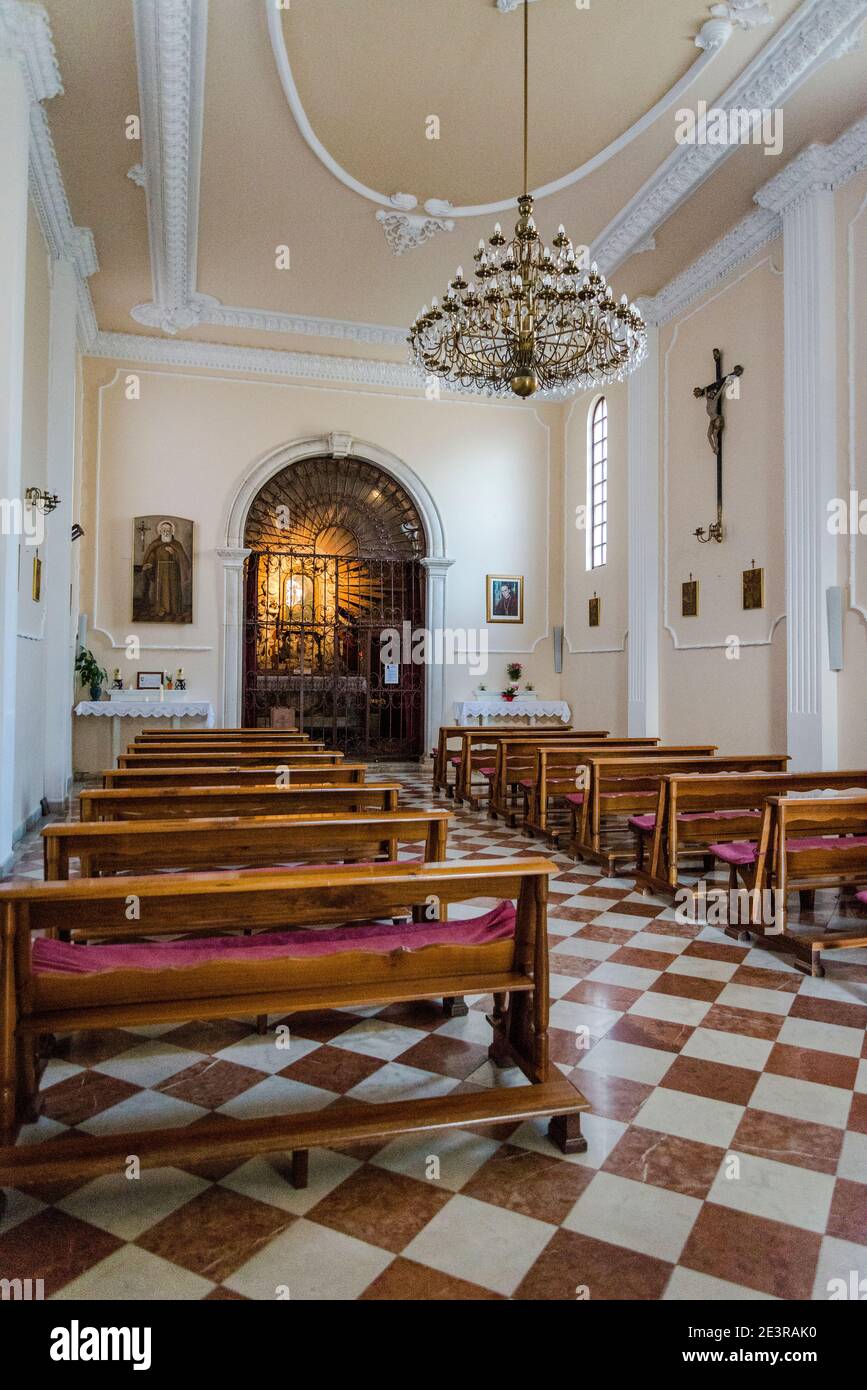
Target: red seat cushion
point(456, 761)
point(64, 958)
point(738, 852)
point(862, 896)
point(575, 798)
point(648, 822)
point(487, 772)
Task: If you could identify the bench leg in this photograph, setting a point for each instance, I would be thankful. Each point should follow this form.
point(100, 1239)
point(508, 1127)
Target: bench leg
point(807, 899)
point(455, 1006)
point(565, 1132)
point(261, 1024)
point(300, 1166)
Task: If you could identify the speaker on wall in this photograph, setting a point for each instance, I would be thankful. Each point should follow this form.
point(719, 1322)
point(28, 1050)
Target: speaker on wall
point(558, 650)
point(834, 598)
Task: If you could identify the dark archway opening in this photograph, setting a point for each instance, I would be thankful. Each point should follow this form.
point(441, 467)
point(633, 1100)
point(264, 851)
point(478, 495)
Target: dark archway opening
point(335, 568)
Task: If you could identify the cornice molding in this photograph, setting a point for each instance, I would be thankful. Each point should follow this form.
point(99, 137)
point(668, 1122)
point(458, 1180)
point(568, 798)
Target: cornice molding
point(817, 168)
point(306, 325)
point(170, 40)
point(25, 34)
point(750, 234)
point(812, 36)
point(135, 347)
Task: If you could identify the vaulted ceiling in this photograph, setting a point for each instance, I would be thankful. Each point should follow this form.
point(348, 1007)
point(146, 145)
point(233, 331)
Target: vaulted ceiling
point(307, 125)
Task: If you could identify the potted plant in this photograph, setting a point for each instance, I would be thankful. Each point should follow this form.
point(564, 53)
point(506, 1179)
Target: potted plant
point(513, 671)
point(90, 672)
point(509, 693)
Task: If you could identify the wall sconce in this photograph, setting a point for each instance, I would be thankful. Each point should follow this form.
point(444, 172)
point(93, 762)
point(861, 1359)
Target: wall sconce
point(77, 531)
point(44, 502)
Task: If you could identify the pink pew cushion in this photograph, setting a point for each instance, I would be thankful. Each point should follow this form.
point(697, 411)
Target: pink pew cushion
point(744, 852)
point(456, 761)
point(648, 822)
point(487, 772)
point(575, 798)
point(64, 958)
point(738, 852)
point(862, 896)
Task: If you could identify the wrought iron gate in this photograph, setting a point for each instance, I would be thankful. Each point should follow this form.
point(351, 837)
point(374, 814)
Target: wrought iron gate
point(313, 643)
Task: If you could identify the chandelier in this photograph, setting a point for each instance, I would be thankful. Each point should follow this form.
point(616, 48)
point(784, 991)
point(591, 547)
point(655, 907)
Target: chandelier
point(536, 320)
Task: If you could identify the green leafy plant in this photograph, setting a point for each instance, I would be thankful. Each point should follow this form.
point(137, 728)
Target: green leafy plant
point(510, 692)
point(513, 670)
point(90, 672)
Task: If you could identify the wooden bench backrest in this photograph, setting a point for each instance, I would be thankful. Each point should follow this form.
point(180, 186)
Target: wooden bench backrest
point(147, 846)
point(158, 803)
point(787, 818)
point(256, 757)
point(232, 776)
point(694, 792)
point(257, 899)
point(450, 733)
point(217, 733)
point(218, 745)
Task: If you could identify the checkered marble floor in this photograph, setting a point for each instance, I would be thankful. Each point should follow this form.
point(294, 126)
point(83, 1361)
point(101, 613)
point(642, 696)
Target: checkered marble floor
point(727, 1138)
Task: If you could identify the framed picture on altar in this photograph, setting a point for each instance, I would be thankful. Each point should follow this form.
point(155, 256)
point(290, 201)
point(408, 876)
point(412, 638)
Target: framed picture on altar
point(149, 680)
point(505, 598)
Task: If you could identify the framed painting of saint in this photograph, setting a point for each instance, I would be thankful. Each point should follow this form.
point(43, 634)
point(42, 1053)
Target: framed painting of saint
point(162, 575)
point(505, 598)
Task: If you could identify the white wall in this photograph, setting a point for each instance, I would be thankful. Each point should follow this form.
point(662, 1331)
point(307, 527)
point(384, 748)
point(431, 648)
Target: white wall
point(30, 700)
point(189, 441)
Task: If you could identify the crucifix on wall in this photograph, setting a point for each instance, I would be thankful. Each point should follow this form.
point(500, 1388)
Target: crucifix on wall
point(715, 394)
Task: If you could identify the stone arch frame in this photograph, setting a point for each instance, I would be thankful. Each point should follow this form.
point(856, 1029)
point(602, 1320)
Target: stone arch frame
point(234, 553)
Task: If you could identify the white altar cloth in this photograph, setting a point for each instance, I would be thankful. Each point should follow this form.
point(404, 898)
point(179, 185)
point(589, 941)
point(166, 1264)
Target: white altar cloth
point(174, 710)
point(467, 711)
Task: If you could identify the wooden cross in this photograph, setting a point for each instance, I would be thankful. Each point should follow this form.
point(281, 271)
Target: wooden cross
point(714, 395)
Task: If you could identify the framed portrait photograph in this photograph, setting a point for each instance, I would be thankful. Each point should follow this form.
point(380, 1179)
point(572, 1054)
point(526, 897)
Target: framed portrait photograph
point(149, 680)
point(594, 611)
point(162, 572)
point(505, 598)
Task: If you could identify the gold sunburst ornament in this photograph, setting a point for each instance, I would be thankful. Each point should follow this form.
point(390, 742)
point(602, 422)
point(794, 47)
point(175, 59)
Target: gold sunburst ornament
point(536, 320)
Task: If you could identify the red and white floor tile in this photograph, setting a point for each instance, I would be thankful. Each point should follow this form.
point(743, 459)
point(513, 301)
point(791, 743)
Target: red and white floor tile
point(727, 1137)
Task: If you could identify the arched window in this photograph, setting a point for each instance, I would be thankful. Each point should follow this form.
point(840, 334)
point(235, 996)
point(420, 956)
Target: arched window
point(597, 485)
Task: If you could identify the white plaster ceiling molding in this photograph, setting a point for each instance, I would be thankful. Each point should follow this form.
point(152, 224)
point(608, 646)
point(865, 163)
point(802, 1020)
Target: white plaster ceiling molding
point(25, 35)
point(354, 371)
point(811, 37)
point(170, 38)
point(404, 227)
point(817, 167)
point(305, 325)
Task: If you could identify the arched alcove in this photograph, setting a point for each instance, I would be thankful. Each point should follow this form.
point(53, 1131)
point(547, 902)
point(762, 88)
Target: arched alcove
point(347, 507)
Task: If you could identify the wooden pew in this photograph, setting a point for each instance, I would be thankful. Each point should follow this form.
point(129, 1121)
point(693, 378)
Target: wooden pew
point(515, 768)
point(560, 770)
point(478, 751)
point(696, 810)
point(444, 754)
point(803, 843)
point(230, 733)
point(182, 745)
point(617, 790)
point(256, 758)
point(502, 954)
point(233, 776)
point(168, 801)
point(148, 846)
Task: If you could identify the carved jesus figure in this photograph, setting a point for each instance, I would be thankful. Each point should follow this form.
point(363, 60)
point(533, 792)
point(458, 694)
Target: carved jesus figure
point(713, 394)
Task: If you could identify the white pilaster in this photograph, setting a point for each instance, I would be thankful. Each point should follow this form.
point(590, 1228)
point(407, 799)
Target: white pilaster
point(59, 635)
point(14, 123)
point(230, 702)
point(643, 641)
point(802, 194)
point(437, 568)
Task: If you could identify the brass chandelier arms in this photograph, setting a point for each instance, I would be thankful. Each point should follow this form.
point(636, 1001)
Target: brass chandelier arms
point(537, 320)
